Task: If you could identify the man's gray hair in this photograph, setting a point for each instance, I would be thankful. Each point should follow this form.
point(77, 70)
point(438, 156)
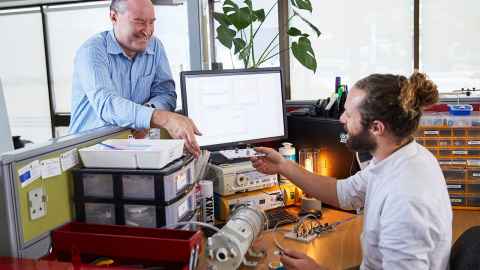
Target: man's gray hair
point(119, 6)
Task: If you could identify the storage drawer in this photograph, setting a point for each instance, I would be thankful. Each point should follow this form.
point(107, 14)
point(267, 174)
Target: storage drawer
point(473, 200)
point(449, 142)
point(98, 185)
point(164, 185)
point(135, 213)
point(473, 174)
point(433, 132)
point(100, 213)
point(454, 174)
point(458, 200)
point(456, 186)
point(473, 187)
point(452, 152)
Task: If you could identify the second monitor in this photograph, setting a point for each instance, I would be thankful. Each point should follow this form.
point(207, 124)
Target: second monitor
point(234, 107)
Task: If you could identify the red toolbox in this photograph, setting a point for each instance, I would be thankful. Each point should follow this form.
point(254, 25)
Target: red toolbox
point(82, 243)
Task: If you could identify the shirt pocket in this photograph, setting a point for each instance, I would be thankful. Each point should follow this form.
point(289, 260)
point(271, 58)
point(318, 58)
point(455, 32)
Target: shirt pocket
point(143, 89)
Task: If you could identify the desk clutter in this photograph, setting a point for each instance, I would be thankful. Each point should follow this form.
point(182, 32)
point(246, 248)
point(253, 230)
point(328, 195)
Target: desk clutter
point(184, 193)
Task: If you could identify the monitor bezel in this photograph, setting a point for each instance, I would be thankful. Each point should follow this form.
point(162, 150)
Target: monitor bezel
point(227, 72)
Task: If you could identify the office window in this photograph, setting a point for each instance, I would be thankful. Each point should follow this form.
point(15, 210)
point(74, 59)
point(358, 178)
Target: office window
point(265, 35)
point(449, 43)
point(171, 27)
point(23, 74)
point(67, 31)
point(358, 38)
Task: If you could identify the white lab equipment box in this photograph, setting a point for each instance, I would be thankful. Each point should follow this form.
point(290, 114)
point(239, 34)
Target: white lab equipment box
point(132, 153)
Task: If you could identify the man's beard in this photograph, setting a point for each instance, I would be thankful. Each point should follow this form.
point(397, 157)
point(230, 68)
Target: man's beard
point(361, 142)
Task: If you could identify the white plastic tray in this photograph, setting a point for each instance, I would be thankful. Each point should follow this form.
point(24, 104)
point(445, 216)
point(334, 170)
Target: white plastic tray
point(131, 153)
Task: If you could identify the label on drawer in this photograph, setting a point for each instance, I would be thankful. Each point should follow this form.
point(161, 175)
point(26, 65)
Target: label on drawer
point(452, 162)
point(431, 132)
point(456, 200)
point(181, 180)
point(457, 186)
point(473, 142)
point(460, 152)
point(473, 162)
point(476, 174)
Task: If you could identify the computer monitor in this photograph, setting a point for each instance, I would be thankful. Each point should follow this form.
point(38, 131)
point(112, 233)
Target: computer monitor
point(235, 107)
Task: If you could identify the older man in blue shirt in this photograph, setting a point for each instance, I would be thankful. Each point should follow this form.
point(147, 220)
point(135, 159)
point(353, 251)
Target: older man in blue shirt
point(122, 77)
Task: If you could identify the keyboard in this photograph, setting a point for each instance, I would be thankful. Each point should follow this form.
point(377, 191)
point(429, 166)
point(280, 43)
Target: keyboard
point(217, 158)
point(279, 215)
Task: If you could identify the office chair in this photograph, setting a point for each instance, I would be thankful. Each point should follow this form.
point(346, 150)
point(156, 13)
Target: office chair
point(465, 252)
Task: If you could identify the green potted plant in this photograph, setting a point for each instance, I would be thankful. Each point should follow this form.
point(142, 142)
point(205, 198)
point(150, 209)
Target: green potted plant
point(239, 25)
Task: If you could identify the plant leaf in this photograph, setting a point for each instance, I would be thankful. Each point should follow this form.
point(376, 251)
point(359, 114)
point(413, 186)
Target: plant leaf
point(314, 28)
point(225, 35)
point(229, 6)
point(248, 3)
point(230, 3)
point(239, 45)
point(293, 32)
point(245, 54)
point(294, 3)
point(303, 52)
point(241, 18)
point(304, 4)
point(221, 18)
point(260, 14)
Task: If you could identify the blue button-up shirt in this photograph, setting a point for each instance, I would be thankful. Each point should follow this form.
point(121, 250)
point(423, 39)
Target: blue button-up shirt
point(111, 89)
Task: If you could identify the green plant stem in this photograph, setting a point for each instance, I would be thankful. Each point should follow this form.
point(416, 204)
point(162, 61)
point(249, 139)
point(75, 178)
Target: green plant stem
point(245, 61)
point(264, 53)
point(268, 46)
point(266, 59)
point(270, 51)
point(251, 40)
point(231, 59)
point(266, 16)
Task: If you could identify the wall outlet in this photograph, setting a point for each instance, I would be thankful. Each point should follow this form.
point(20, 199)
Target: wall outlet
point(37, 203)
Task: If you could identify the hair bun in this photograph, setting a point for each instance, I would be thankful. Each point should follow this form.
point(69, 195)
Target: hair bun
point(418, 92)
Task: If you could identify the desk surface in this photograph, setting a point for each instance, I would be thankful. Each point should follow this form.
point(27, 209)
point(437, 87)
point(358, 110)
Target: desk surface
point(336, 250)
point(341, 249)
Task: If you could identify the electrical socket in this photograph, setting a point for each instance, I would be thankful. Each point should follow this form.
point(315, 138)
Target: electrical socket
point(37, 202)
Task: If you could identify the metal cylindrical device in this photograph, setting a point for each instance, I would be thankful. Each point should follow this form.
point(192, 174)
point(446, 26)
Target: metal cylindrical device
point(227, 247)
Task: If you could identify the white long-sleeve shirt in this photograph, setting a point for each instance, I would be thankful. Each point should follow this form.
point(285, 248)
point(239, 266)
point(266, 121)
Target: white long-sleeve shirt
point(407, 211)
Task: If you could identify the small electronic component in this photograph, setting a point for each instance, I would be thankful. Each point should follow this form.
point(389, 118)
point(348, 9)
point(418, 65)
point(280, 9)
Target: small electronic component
point(308, 228)
point(306, 233)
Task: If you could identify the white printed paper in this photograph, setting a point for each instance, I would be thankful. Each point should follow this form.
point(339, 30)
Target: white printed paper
point(36, 169)
point(29, 173)
point(69, 159)
point(51, 167)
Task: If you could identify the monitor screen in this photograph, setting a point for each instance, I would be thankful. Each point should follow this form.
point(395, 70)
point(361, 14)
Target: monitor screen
point(232, 107)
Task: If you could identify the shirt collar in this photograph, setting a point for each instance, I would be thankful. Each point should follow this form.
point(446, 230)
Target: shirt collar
point(113, 47)
point(406, 152)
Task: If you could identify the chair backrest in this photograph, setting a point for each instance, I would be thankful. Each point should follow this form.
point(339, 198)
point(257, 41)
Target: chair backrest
point(465, 252)
point(6, 143)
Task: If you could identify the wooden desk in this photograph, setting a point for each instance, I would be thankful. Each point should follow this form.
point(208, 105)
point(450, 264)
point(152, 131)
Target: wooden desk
point(341, 249)
point(336, 250)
